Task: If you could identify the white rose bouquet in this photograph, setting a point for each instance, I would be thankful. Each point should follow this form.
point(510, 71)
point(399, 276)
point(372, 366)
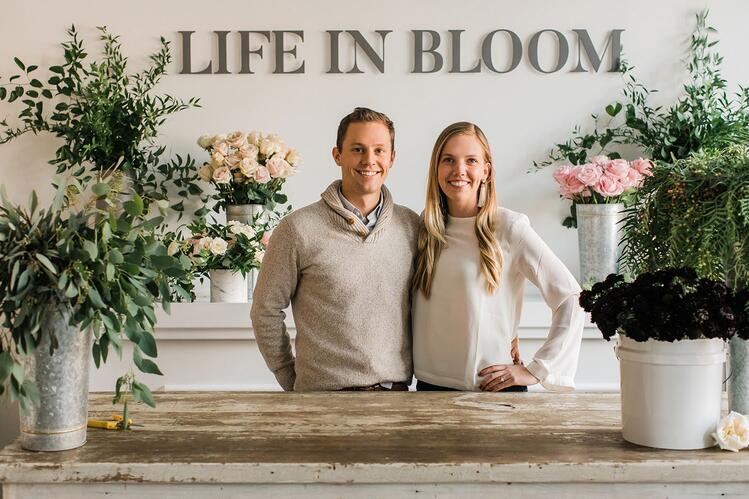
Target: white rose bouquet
point(235, 246)
point(247, 168)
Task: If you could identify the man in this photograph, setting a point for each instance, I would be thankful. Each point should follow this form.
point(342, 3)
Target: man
point(344, 263)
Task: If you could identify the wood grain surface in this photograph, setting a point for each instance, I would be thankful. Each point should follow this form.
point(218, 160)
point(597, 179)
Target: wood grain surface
point(368, 437)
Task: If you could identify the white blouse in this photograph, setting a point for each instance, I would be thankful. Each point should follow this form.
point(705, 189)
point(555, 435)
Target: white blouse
point(461, 328)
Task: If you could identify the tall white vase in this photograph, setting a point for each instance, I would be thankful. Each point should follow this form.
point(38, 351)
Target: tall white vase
point(246, 214)
point(598, 240)
point(228, 286)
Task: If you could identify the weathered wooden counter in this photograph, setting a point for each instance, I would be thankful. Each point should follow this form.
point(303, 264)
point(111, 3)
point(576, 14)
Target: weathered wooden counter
point(370, 445)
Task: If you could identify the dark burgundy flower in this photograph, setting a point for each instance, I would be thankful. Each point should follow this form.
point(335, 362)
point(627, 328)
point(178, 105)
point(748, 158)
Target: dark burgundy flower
point(667, 305)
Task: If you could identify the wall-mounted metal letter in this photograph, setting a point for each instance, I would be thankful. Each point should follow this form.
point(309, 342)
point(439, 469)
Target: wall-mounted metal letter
point(281, 51)
point(221, 39)
point(585, 43)
point(486, 51)
point(563, 51)
point(334, 62)
point(245, 51)
point(187, 56)
point(455, 66)
point(375, 58)
point(419, 51)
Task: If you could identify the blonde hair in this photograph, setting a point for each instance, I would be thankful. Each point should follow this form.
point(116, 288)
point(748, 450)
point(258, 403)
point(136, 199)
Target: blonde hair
point(432, 234)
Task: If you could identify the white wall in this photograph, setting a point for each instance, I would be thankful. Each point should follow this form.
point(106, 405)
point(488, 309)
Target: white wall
point(522, 112)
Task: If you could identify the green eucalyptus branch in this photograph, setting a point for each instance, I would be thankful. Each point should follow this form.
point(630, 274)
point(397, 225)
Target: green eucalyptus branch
point(108, 119)
point(704, 116)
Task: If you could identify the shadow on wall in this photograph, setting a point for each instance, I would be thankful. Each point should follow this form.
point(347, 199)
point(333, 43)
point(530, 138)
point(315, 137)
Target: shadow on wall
point(8, 422)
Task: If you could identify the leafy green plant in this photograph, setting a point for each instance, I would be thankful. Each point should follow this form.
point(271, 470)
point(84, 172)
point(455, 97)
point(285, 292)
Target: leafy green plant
point(693, 213)
point(128, 388)
point(178, 246)
point(705, 116)
point(106, 267)
point(108, 119)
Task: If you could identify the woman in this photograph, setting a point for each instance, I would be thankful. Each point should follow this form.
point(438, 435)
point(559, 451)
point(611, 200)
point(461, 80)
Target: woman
point(473, 260)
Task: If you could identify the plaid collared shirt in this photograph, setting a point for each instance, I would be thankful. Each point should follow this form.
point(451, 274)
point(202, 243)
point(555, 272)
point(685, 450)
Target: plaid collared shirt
point(370, 220)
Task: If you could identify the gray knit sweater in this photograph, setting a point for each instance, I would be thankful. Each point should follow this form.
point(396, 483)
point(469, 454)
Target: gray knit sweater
point(349, 292)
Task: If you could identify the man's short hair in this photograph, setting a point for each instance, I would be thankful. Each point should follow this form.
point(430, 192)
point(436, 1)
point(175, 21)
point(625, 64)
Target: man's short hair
point(363, 115)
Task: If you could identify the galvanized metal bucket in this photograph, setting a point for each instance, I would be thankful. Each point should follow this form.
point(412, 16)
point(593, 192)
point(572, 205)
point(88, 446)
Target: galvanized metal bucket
point(598, 240)
point(738, 380)
point(245, 213)
point(59, 421)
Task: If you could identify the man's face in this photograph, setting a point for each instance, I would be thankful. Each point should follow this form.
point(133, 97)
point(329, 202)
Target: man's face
point(365, 158)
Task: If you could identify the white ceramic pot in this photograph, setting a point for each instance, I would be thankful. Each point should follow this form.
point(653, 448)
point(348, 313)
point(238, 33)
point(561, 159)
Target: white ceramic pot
point(246, 214)
point(671, 391)
point(228, 286)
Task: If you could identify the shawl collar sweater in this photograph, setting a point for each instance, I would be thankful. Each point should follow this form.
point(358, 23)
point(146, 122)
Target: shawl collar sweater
point(349, 292)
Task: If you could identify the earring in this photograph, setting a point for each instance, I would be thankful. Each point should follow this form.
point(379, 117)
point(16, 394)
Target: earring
point(482, 194)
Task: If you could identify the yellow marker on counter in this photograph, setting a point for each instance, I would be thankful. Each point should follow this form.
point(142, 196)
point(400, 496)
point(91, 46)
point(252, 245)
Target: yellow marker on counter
point(113, 424)
point(104, 425)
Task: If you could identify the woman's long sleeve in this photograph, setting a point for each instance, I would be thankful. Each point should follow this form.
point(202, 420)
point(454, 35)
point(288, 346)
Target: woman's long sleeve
point(555, 363)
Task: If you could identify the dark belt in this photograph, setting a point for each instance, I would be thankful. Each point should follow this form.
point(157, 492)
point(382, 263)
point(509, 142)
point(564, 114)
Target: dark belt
point(377, 387)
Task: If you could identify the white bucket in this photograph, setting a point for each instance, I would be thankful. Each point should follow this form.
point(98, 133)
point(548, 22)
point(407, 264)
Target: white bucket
point(671, 391)
point(228, 287)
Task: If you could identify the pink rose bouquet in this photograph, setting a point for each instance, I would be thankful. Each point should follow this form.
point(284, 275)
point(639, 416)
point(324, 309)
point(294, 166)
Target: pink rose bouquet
point(247, 168)
point(602, 180)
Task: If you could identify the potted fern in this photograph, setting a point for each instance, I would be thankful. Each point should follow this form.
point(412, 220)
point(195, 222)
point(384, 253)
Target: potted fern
point(695, 212)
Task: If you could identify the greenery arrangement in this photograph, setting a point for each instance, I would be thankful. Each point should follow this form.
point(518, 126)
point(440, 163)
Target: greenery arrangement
point(100, 259)
point(108, 119)
point(666, 305)
point(694, 213)
point(706, 115)
point(106, 267)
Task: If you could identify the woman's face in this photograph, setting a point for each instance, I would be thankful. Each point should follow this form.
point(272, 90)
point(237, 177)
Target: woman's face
point(461, 169)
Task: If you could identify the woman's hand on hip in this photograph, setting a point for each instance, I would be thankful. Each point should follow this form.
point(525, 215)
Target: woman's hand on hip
point(501, 376)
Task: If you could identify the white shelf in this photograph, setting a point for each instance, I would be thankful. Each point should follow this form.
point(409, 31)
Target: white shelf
point(231, 321)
